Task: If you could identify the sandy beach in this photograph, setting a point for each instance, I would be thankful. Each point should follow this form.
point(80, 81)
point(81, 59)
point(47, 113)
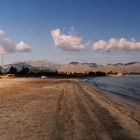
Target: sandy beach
point(62, 109)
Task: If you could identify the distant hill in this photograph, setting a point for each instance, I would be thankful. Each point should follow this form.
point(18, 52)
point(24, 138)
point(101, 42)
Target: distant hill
point(131, 63)
point(20, 65)
point(133, 67)
point(74, 63)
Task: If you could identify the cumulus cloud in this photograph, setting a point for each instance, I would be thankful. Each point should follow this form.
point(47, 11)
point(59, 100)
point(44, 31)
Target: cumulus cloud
point(1, 32)
point(114, 44)
point(7, 46)
point(22, 47)
point(68, 42)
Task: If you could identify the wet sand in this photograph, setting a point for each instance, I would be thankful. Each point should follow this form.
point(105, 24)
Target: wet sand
point(62, 109)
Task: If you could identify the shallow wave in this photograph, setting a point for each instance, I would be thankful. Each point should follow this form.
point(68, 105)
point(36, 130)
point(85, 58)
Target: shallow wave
point(125, 87)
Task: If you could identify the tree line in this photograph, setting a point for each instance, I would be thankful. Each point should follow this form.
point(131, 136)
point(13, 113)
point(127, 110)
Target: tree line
point(25, 71)
point(14, 70)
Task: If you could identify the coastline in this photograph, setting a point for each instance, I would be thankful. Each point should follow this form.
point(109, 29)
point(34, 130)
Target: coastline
point(130, 101)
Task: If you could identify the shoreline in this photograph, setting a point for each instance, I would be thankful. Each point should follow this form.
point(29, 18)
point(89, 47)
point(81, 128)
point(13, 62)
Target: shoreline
point(130, 101)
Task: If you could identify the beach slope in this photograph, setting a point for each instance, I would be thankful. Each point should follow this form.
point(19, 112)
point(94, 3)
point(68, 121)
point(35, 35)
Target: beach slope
point(62, 109)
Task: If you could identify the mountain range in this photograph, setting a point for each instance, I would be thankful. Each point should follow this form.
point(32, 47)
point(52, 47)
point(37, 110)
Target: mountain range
point(131, 67)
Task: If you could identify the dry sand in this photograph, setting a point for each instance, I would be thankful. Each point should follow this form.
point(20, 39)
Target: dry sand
point(62, 109)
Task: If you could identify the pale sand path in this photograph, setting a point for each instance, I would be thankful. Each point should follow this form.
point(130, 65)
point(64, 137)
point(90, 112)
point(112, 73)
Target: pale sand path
point(62, 109)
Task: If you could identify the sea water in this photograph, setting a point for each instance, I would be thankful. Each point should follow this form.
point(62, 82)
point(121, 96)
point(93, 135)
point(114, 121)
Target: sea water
point(126, 87)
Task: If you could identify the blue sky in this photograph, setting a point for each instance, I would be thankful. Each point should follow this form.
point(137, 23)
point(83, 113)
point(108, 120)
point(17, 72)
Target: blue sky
point(77, 26)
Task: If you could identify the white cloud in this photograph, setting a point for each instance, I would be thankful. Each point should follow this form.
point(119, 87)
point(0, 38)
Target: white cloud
point(23, 47)
point(114, 44)
point(1, 32)
point(7, 46)
point(67, 42)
